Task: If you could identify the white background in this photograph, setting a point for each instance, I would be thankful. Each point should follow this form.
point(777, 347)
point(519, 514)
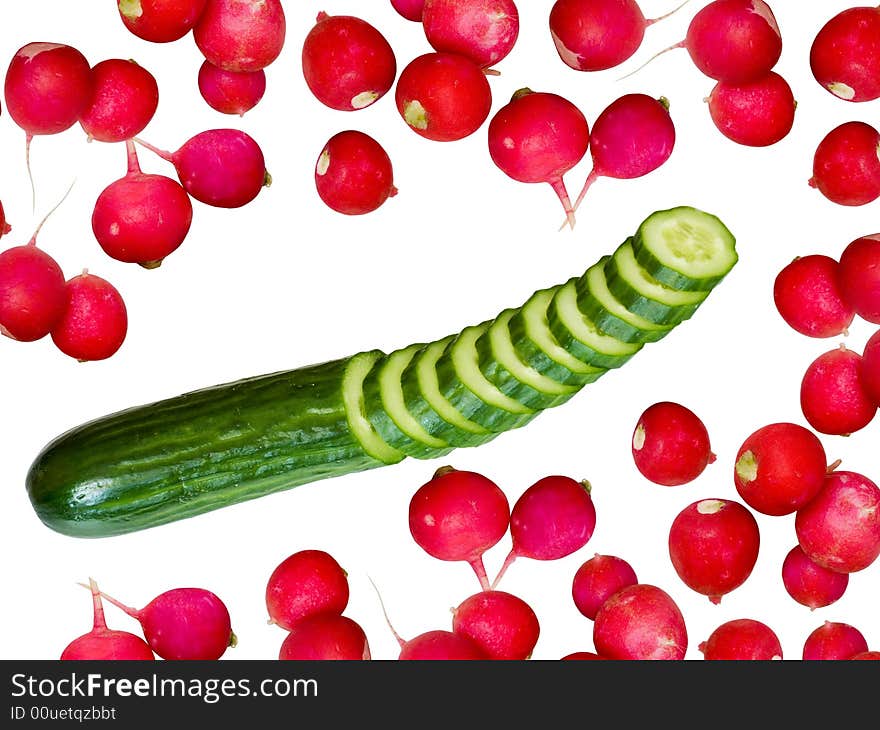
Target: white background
point(285, 282)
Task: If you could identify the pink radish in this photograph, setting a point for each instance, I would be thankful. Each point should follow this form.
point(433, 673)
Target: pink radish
point(503, 625)
point(347, 63)
point(871, 367)
point(845, 54)
point(160, 21)
point(440, 645)
point(582, 656)
point(833, 640)
point(141, 218)
point(409, 9)
point(809, 583)
point(756, 113)
point(103, 643)
point(860, 276)
point(231, 92)
point(742, 639)
point(483, 30)
point(95, 320)
point(537, 137)
point(241, 35)
point(306, 583)
point(809, 296)
point(323, 637)
point(123, 101)
point(443, 97)
point(846, 164)
point(353, 174)
point(867, 656)
point(597, 579)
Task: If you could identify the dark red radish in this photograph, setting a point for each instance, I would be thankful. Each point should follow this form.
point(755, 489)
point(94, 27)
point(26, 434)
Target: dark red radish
point(537, 137)
point(779, 468)
point(241, 35)
point(597, 579)
point(347, 63)
point(845, 54)
point(103, 643)
point(231, 92)
point(224, 168)
point(846, 164)
point(4, 224)
point(459, 515)
point(124, 99)
point(306, 583)
point(160, 21)
point(808, 295)
point(582, 656)
point(32, 293)
point(503, 625)
point(757, 113)
point(95, 320)
point(670, 444)
point(809, 583)
point(483, 30)
point(833, 397)
point(871, 367)
point(640, 622)
point(833, 641)
point(742, 639)
point(440, 645)
point(713, 545)
point(443, 97)
point(860, 276)
point(325, 637)
point(867, 656)
point(840, 528)
point(353, 174)
point(409, 9)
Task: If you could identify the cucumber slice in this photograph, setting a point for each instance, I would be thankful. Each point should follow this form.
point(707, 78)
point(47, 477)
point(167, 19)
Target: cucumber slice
point(685, 248)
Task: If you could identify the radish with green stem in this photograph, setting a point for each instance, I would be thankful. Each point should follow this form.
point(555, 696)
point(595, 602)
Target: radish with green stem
point(503, 625)
point(231, 92)
point(809, 583)
point(860, 276)
point(241, 35)
point(833, 641)
point(160, 21)
point(95, 320)
point(306, 583)
point(124, 99)
point(597, 579)
point(483, 30)
point(323, 637)
point(808, 295)
point(757, 113)
point(845, 54)
point(742, 639)
point(846, 164)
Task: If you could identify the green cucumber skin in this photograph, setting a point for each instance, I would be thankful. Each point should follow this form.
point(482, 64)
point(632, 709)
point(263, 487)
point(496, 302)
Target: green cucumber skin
point(670, 277)
point(643, 306)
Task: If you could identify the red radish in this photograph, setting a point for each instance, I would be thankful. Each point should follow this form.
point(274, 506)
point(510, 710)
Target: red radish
point(325, 636)
point(597, 579)
point(459, 515)
point(860, 276)
point(353, 174)
point(231, 92)
point(537, 137)
point(742, 639)
point(443, 96)
point(757, 113)
point(640, 622)
point(809, 583)
point(846, 164)
point(867, 656)
point(834, 640)
point(808, 295)
point(713, 545)
point(504, 626)
point(840, 527)
point(833, 398)
point(439, 644)
point(670, 444)
point(871, 367)
point(347, 63)
point(483, 30)
point(95, 320)
point(241, 35)
point(409, 9)
point(582, 656)
point(779, 468)
point(160, 21)
point(845, 54)
point(123, 101)
point(102, 643)
point(306, 583)
point(224, 168)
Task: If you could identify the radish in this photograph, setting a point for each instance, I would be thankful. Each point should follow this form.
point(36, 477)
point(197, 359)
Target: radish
point(443, 96)
point(537, 137)
point(809, 583)
point(840, 528)
point(833, 397)
point(409, 9)
point(845, 54)
point(439, 644)
point(504, 626)
point(224, 168)
point(742, 639)
point(123, 101)
point(860, 276)
point(640, 622)
point(871, 367)
point(241, 35)
point(846, 164)
point(347, 63)
point(160, 21)
point(102, 643)
point(353, 174)
point(306, 583)
point(779, 468)
point(713, 545)
point(483, 30)
point(582, 656)
point(808, 295)
point(867, 656)
point(670, 444)
point(325, 636)
point(597, 579)
point(95, 320)
point(834, 640)
point(231, 92)
point(756, 113)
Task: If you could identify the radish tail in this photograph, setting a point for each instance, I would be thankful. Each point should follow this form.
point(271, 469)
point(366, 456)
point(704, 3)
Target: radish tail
point(680, 44)
point(27, 161)
point(165, 155)
point(133, 612)
point(480, 570)
point(559, 188)
point(591, 178)
point(33, 241)
point(651, 21)
point(400, 641)
point(99, 623)
point(511, 556)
